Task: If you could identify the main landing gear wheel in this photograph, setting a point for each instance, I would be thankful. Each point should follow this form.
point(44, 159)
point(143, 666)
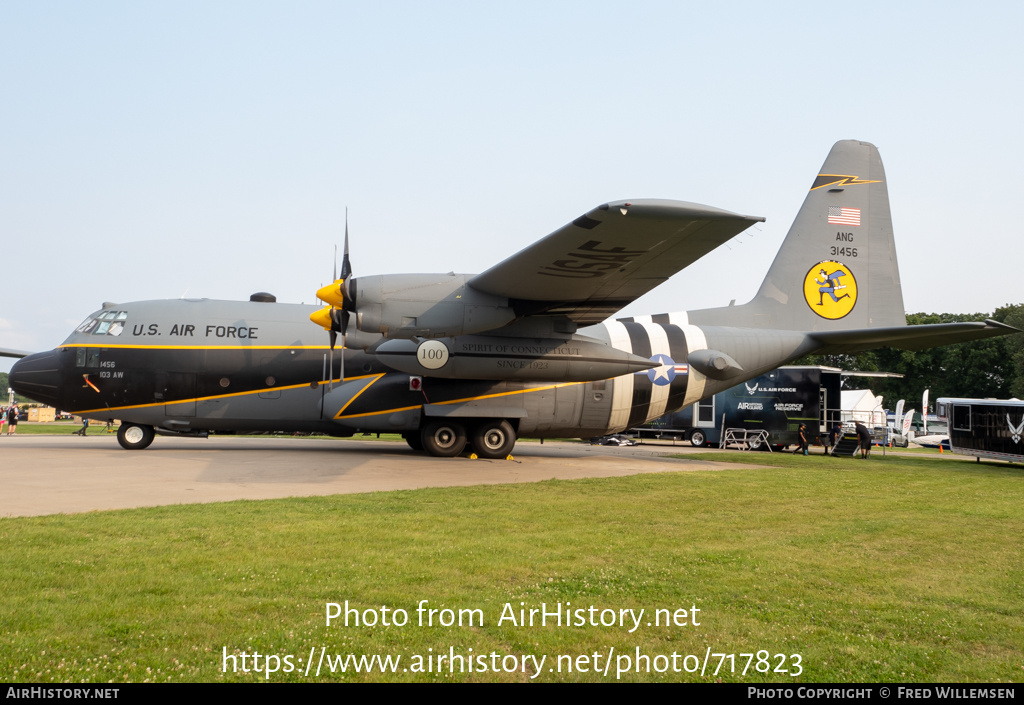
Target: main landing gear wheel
point(445, 439)
point(414, 440)
point(493, 439)
point(134, 437)
point(698, 439)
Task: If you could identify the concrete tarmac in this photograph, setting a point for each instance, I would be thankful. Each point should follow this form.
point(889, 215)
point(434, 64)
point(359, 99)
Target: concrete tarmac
point(68, 474)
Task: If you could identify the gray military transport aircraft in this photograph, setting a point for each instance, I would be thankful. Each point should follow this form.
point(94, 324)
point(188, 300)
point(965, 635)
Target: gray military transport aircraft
point(521, 349)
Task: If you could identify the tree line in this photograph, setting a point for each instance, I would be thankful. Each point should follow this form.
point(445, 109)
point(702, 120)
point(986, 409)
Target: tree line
point(3, 392)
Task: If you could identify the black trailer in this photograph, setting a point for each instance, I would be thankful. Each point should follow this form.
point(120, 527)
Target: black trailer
point(777, 402)
point(985, 428)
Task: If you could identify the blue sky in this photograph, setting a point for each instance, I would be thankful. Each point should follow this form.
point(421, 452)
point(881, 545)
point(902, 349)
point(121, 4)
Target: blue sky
point(152, 150)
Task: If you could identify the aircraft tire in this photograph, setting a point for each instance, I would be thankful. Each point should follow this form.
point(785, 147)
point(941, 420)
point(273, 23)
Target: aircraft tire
point(698, 439)
point(444, 439)
point(414, 440)
point(134, 436)
point(493, 439)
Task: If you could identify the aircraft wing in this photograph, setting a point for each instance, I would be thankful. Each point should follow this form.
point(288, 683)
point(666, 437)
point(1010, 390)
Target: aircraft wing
point(605, 259)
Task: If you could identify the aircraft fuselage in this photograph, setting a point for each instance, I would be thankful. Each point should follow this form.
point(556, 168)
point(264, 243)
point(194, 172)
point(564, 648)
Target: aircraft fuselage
point(194, 366)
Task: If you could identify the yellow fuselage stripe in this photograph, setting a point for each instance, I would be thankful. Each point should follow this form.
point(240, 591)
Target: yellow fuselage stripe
point(215, 396)
point(194, 347)
point(356, 395)
point(452, 401)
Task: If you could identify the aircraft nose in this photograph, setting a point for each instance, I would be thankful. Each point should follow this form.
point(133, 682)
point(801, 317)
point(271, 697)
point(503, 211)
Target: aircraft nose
point(37, 377)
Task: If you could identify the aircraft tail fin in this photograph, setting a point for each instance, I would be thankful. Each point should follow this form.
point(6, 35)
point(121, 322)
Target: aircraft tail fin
point(837, 267)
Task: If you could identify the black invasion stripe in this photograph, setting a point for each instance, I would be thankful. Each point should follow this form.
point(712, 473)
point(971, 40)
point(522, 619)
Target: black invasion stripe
point(676, 344)
point(640, 341)
point(641, 406)
point(677, 351)
point(662, 319)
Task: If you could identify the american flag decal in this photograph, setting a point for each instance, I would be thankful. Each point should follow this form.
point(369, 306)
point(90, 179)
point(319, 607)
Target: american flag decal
point(843, 216)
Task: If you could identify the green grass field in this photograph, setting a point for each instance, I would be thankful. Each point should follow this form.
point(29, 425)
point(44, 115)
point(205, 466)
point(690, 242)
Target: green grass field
point(894, 569)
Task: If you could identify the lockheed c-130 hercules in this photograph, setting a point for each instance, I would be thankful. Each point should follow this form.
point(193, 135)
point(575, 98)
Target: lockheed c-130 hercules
point(522, 349)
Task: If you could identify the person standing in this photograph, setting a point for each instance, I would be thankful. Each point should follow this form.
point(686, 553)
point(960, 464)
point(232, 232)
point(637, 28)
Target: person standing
point(864, 436)
point(833, 438)
point(12, 419)
point(803, 439)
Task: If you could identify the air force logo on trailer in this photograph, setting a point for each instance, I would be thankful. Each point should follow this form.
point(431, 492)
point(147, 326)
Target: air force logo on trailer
point(1015, 431)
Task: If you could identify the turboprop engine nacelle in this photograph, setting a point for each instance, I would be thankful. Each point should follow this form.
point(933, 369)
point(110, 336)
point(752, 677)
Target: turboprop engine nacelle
point(426, 306)
point(576, 359)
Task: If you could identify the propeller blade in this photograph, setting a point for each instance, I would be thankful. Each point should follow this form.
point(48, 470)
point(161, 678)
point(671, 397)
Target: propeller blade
point(330, 367)
point(334, 318)
point(346, 265)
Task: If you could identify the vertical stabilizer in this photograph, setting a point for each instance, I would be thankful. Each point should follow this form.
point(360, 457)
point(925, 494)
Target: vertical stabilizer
point(837, 267)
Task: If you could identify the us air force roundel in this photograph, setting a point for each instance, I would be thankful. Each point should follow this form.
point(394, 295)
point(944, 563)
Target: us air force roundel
point(665, 372)
point(830, 289)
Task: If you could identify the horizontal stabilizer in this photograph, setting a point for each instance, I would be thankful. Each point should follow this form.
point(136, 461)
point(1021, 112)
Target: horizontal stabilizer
point(909, 337)
point(7, 352)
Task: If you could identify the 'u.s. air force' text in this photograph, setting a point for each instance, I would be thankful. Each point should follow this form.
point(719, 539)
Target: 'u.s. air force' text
point(188, 330)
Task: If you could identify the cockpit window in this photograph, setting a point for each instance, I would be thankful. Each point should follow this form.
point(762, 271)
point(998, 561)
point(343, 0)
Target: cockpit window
point(86, 326)
point(104, 323)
